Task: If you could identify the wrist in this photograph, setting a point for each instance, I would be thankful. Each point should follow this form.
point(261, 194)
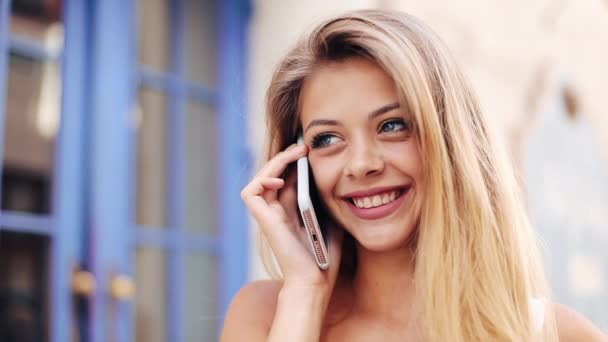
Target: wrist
point(311, 296)
point(299, 314)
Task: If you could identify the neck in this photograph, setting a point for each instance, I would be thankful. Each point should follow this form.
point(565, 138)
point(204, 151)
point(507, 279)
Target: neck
point(384, 283)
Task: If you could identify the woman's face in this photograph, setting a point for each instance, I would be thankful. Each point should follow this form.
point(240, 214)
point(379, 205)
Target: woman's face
point(363, 152)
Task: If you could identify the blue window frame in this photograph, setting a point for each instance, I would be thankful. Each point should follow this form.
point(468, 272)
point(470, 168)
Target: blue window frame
point(4, 27)
point(63, 225)
point(230, 246)
point(90, 224)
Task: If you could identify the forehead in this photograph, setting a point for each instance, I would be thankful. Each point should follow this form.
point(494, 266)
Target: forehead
point(348, 87)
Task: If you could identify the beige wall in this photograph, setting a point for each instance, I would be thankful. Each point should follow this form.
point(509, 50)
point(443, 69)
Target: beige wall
point(519, 53)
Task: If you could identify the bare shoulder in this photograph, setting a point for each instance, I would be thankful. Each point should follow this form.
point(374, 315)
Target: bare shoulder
point(572, 326)
point(251, 312)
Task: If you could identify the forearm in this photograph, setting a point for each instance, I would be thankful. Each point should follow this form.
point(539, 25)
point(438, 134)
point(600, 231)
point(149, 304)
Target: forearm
point(299, 315)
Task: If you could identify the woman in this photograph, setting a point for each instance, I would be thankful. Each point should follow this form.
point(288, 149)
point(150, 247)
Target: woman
point(429, 238)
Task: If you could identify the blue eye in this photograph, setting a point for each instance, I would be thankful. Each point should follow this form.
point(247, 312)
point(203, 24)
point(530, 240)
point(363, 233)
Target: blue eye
point(323, 140)
point(393, 126)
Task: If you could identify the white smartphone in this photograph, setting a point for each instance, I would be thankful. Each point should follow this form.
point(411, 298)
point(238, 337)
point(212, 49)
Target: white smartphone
point(317, 242)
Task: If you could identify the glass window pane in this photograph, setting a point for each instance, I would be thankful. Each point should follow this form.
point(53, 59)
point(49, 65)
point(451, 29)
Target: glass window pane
point(39, 21)
point(201, 41)
point(151, 159)
point(201, 159)
point(31, 125)
point(202, 314)
point(154, 23)
point(23, 290)
point(151, 296)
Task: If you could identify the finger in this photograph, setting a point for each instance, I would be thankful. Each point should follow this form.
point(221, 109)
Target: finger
point(275, 166)
point(254, 188)
point(256, 195)
point(259, 185)
point(286, 244)
point(272, 226)
point(272, 183)
point(271, 188)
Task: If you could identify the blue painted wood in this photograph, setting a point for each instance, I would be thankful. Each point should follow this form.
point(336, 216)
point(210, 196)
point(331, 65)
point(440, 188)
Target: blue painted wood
point(234, 166)
point(4, 31)
point(27, 223)
point(111, 115)
point(171, 83)
point(177, 174)
point(127, 311)
point(200, 243)
point(69, 183)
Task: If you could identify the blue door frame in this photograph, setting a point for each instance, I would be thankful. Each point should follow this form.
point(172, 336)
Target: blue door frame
point(112, 100)
point(92, 223)
point(4, 31)
point(235, 158)
point(69, 197)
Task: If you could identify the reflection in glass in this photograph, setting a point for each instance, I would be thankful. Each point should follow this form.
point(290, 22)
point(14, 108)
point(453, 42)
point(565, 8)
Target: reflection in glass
point(201, 159)
point(151, 159)
point(153, 19)
point(38, 21)
point(201, 41)
point(151, 296)
point(23, 292)
point(202, 314)
point(31, 125)
point(25, 191)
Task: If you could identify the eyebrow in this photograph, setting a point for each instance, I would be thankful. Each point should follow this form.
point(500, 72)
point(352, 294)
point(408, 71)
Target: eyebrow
point(382, 110)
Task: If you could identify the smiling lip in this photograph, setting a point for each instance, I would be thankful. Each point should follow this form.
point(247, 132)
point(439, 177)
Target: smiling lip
point(380, 211)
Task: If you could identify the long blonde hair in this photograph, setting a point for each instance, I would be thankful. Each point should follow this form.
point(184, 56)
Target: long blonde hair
point(477, 259)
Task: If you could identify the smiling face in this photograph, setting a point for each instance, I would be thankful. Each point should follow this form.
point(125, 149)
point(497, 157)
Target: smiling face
point(363, 152)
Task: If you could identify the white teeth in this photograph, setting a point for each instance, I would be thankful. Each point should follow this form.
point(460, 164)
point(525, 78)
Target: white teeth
point(375, 201)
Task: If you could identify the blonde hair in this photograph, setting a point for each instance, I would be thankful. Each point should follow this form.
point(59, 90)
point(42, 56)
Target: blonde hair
point(477, 259)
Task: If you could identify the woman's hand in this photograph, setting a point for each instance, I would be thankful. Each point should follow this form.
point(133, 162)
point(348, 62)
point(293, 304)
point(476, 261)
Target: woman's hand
point(273, 203)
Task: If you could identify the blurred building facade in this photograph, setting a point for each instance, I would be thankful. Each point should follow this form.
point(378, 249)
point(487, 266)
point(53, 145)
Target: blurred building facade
point(128, 129)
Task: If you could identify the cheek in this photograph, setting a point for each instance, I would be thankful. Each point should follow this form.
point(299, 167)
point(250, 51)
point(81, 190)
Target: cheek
point(326, 172)
point(406, 158)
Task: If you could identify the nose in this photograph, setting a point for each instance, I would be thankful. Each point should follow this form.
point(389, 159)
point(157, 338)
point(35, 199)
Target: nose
point(365, 160)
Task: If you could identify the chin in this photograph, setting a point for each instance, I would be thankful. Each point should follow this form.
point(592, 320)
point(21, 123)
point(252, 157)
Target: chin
point(383, 242)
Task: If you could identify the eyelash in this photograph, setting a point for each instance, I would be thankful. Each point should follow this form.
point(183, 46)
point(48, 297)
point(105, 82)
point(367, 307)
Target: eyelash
point(406, 125)
point(317, 141)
